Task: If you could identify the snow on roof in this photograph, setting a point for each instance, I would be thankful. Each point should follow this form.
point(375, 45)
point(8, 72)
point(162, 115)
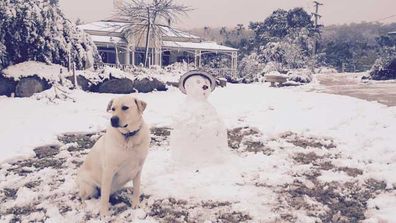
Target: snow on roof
point(212, 46)
point(392, 33)
point(104, 26)
point(108, 39)
point(168, 32)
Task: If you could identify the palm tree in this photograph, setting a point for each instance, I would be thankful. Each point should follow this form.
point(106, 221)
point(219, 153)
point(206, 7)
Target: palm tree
point(239, 29)
point(206, 32)
point(144, 19)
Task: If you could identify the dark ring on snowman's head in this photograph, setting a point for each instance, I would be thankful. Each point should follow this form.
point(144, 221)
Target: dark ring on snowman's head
point(203, 74)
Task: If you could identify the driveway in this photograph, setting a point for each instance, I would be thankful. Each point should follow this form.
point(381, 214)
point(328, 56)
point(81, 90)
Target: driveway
point(351, 85)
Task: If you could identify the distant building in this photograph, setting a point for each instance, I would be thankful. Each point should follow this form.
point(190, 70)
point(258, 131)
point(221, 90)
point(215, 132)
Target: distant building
point(171, 46)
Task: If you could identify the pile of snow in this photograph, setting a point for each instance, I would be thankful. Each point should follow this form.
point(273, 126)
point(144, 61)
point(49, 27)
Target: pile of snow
point(325, 70)
point(47, 72)
point(275, 74)
point(303, 75)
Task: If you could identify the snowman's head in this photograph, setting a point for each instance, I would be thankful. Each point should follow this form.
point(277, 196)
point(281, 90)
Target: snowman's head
point(198, 87)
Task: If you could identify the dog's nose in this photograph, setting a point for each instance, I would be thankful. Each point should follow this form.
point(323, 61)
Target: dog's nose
point(115, 121)
point(205, 87)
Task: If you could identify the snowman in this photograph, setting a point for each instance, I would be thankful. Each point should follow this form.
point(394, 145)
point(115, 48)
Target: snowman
point(199, 137)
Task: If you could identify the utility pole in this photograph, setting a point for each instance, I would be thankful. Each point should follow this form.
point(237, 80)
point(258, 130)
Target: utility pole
point(317, 17)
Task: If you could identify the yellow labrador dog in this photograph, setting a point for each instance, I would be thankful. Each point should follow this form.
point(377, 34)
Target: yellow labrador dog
point(118, 156)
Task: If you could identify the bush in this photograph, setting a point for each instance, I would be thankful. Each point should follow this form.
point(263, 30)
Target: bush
point(303, 76)
point(383, 69)
point(250, 68)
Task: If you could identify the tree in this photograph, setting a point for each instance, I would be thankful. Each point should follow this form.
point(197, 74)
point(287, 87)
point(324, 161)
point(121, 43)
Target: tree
point(356, 46)
point(37, 30)
point(282, 24)
point(147, 18)
point(285, 37)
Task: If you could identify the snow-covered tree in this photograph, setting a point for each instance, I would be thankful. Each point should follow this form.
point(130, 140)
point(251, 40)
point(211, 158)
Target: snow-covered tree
point(284, 38)
point(38, 30)
point(2, 54)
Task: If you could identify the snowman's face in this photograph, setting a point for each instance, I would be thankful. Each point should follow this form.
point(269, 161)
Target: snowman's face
point(198, 87)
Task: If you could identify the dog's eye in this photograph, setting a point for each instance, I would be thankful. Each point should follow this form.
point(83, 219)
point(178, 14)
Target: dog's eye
point(124, 108)
point(113, 109)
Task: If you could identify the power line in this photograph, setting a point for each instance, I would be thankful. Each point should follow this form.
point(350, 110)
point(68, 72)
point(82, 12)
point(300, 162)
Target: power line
point(316, 27)
point(317, 17)
point(388, 17)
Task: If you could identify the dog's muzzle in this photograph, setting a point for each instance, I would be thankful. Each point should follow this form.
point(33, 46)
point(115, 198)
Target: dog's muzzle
point(115, 121)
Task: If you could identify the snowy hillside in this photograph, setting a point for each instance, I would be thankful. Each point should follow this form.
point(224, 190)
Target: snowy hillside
point(295, 157)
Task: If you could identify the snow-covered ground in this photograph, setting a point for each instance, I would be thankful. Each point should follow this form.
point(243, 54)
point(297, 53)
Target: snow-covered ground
point(297, 156)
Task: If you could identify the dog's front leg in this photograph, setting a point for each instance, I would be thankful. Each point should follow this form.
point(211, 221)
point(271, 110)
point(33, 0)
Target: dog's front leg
point(136, 190)
point(107, 178)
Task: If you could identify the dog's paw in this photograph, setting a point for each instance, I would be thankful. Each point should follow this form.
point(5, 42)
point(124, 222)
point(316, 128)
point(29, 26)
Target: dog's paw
point(104, 212)
point(135, 203)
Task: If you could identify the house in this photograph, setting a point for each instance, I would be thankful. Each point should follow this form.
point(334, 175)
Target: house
point(118, 46)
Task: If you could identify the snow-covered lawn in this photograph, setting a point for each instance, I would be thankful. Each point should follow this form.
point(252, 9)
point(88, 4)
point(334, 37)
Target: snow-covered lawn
point(296, 157)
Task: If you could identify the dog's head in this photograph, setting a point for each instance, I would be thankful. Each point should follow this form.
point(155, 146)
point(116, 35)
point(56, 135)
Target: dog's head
point(126, 112)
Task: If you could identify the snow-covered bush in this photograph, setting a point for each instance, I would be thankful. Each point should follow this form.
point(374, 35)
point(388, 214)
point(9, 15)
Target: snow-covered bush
point(383, 69)
point(300, 75)
point(38, 30)
point(272, 66)
point(250, 68)
point(288, 54)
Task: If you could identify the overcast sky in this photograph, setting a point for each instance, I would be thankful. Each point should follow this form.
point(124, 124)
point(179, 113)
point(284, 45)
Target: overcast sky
point(217, 13)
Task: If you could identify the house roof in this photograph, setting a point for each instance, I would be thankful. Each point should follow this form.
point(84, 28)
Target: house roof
point(117, 27)
point(177, 39)
point(209, 46)
point(392, 33)
point(108, 40)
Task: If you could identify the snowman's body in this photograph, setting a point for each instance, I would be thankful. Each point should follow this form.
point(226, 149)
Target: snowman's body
point(199, 137)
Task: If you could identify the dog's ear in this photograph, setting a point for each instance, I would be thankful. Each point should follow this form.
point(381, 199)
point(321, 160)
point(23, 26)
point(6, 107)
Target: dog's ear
point(141, 105)
point(110, 105)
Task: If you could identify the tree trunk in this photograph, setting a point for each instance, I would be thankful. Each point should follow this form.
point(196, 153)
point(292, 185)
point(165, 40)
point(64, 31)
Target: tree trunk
point(147, 38)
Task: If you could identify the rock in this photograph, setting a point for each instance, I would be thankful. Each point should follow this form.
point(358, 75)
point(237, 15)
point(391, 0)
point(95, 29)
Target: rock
point(291, 84)
point(27, 86)
point(7, 85)
point(171, 83)
point(46, 151)
point(83, 82)
point(117, 86)
point(222, 82)
point(146, 85)
point(232, 80)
